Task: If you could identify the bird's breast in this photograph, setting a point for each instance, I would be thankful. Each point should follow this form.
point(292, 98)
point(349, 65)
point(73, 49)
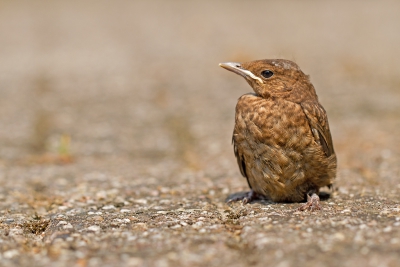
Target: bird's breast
point(276, 123)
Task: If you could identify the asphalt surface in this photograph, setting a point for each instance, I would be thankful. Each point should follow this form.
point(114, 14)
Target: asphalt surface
point(116, 123)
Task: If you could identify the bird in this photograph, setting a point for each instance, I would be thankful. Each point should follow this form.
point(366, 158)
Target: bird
point(281, 137)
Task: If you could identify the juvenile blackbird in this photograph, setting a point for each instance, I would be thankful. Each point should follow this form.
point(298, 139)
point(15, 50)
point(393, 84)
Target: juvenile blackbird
point(281, 137)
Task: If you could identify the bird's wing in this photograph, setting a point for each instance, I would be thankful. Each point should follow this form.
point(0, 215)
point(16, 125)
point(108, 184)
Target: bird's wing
point(318, 121)
point(239, 158)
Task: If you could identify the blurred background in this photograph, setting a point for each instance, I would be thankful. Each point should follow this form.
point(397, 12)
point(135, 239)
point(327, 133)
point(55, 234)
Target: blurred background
point(139, 80)
point(120, 105)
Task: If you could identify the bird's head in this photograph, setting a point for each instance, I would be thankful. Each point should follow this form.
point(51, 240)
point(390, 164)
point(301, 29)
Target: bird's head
point(274, 78)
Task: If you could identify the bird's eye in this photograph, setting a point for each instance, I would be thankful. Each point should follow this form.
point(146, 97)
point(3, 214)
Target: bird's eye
point(267, 74)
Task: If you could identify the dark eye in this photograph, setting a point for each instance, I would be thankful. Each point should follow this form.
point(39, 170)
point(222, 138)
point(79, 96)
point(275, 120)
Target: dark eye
point(267, 74)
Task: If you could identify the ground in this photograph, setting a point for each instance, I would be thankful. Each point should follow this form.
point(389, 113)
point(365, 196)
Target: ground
point(116, 124)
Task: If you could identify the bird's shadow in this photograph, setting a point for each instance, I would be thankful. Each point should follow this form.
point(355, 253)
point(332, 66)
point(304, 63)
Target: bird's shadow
point(324, 196)
point(238, 196)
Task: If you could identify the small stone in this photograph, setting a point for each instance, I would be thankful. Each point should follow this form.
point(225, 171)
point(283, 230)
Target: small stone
point(16, 232)
point(339, 236)
point(133, 262)
point(109, 207)
point(394, 240)
point(154, 193)
point(68, 226)
point(387, 229)
point(98, 218)
point(384, 212)
point(94, 228)
point(164, 190)
point(140, 201)
point(101, 195)
point(10, 253)
point(162, 212)
point(141, 225)
point(165, 202)
point(197, 225)
point(363, 226)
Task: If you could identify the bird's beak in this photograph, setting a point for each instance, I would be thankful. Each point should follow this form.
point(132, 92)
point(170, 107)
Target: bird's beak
point(238, 69)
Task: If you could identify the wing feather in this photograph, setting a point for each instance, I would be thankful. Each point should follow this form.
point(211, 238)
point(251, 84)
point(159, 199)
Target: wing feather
point(318, 121)
point(240, 160)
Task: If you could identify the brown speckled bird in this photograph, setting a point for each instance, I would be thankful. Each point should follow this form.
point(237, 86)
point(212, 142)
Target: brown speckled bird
point(281, 138)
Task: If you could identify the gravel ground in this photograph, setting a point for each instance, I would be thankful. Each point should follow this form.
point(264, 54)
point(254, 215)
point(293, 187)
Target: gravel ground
point(116, 124)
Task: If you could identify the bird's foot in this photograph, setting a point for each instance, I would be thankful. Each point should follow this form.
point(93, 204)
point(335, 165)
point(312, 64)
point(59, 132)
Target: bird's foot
point(312, 203)
point(246, 198)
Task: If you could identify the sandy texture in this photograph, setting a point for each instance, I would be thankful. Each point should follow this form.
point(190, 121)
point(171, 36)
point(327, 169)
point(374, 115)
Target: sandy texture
point(116, 123)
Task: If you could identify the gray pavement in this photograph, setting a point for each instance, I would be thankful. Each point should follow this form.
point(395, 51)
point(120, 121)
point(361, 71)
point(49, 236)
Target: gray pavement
point(116, 123)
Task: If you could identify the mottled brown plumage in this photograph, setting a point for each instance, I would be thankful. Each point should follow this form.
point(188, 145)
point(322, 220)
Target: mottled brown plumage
point(281, 138)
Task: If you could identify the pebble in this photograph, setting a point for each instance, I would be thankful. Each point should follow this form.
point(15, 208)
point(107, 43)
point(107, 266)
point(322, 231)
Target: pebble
point(16, 231)
point(10, 253)
point(98, 218)
point(394, 240)
point(94, 228)
point(387, 229)
point(141, 201)
point(68, 226)
point(109, 207)
point(339, 236)
point(363, 226)
point(197, 225)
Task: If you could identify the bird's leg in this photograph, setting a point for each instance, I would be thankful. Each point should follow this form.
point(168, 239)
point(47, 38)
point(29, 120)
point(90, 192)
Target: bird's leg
point(312, 203)
point(246, 198)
